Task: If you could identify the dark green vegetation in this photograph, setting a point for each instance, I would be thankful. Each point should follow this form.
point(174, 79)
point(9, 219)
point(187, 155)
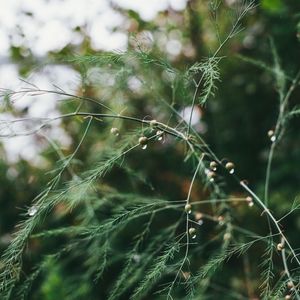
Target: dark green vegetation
point(107, 219)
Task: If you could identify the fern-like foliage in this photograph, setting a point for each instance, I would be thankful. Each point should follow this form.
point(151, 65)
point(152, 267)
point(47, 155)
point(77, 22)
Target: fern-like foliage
point(130, 237)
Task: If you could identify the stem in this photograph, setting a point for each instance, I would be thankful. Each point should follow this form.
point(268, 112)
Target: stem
point(272, 218)
point(286, 269)
point(268, 172)
point(187, 233)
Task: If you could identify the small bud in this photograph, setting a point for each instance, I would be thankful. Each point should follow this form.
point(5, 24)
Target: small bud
point(199, 218)
point(153, 123)
point(159, 135)
point(188, 208)
point(280, 247)
point(192, 232)
point(227, 236)
point(213, 166)
point(211, 175)
point(230, 167)
point(221, 220)
point(250, 201)
point(290, 284)
point(272, 135)
point(114, 131)
point(143, 141)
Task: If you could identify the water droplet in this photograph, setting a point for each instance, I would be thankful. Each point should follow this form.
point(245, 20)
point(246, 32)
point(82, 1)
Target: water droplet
point(250, 204)
point(144, 147)
point(194, 236)
point(32, 210)
point(231, 171)
point(273, 138)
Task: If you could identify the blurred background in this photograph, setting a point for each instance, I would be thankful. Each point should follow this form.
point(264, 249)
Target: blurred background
point(37, 40)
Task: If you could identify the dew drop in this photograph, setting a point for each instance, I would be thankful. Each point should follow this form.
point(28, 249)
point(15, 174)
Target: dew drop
point(194, 236)
point(32, 211)
point(273, 138)
point(231, 171)
point(144, 147)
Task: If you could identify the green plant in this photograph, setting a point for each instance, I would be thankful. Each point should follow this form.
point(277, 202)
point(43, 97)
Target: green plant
point(158, 240)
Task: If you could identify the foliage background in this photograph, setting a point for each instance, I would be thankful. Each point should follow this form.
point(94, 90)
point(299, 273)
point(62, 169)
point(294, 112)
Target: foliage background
point(234, 123)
